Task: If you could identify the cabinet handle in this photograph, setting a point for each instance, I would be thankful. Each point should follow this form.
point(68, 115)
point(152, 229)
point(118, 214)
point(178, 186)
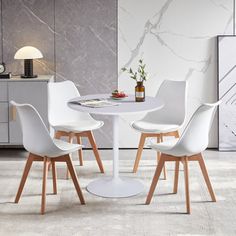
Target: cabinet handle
point(13, 112)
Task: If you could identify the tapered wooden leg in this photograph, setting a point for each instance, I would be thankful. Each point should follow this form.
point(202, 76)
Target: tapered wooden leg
point(158, 159)
point(176, 178)
point(186, 178)
point(95, 150)
point(49, 166)
point(164, 168)
point(44, 185)
point(54, 177)
point(74, 178)
point(24, 176)
point(176, 134)
point(158, 153)
point(139, 152)
point(155, 179)
point(80, 151)
point(206, 177)
point(57, 135)
point(67, 171)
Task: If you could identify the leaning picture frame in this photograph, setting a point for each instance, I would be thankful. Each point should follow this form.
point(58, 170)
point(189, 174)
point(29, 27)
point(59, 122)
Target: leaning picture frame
point(226, 73)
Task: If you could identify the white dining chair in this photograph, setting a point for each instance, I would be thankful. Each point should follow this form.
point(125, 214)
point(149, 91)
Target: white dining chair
point(193, 141)
point(68, 122)
point(166, 121)
point(41, 147)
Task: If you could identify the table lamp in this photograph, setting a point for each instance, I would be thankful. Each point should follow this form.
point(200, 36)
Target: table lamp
point(28, 53)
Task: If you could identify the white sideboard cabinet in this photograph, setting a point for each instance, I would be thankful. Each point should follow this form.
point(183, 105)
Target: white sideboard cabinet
point(32, 91)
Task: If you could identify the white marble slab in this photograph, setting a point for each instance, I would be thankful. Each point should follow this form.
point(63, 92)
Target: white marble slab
point(177, 40)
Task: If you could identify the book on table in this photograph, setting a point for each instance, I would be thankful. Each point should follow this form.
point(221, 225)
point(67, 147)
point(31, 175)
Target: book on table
point(95, 103)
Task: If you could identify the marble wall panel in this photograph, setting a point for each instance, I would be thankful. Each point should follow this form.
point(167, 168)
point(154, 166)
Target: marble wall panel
point(28, 23)
point(177, 40)
point(86, 49)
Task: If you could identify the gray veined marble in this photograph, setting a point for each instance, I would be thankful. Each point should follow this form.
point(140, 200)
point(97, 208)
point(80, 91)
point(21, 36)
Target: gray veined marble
point(28, 23)
point(86, 44)
point(86, 49)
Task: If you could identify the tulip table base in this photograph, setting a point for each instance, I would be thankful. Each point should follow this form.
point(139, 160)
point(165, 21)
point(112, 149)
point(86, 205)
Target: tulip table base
point(115, 187)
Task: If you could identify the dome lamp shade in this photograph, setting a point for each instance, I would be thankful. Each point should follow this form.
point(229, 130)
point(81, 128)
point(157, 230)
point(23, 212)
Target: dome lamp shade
point(28, 53)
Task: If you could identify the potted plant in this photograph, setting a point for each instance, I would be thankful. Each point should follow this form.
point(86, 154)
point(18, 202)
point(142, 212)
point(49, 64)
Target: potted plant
point(139, 76)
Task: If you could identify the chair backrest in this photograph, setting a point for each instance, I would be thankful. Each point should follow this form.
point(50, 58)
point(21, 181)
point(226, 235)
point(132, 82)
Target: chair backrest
point(174, 95)
point(58, 96)
point(36, 137)
point(195, 136)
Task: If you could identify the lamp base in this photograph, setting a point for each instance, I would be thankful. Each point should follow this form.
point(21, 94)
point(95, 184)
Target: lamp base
point(28, 63)
point(29, 76)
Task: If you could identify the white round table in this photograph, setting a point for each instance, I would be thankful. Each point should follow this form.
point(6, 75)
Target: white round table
point(116, 186)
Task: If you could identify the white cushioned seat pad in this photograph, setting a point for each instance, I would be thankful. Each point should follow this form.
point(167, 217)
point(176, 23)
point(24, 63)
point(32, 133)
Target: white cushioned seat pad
point(148, 127)
point(79, 126)
point(169, 147)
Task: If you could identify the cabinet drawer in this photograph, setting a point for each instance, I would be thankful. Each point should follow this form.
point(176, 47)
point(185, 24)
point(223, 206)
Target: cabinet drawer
point(3, 112)
point(3, 132)
point(3, 92)
point(31, 92)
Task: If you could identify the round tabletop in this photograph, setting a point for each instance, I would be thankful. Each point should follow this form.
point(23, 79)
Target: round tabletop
point(124, 106)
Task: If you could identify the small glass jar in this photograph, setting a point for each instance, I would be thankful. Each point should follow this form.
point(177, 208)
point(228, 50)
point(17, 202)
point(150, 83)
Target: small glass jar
point(139, 92)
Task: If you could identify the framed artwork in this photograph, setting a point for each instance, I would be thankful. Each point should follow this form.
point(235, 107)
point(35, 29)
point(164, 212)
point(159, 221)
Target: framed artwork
point(227, 91)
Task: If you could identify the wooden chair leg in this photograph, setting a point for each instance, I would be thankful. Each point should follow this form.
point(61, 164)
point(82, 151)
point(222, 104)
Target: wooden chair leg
point(80, 152)
point(44, 185)
point(206, 177)
point(67, 170)
point(139, 152)
point(49, 166)
point(24, 176)
point(54, 177)
point(95, 150)
point(164, 168)
point(176, 178)
point(155, 179)
point(74, 178)
point(186, 178)
point(158, 153)
point(176, 134)
point(57, 135)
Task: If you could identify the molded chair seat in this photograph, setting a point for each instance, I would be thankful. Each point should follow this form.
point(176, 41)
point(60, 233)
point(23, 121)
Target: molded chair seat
point(149, 127)
point(79, 126)
point(41, 147)
point(188, 147)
